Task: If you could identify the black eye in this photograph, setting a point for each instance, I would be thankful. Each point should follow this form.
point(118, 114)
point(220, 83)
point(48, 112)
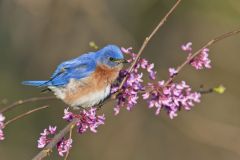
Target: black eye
point(111, 58)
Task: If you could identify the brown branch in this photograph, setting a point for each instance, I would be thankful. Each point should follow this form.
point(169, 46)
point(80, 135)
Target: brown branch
point(207, 45)
point(55, 140)
point(24, 115)
point(207, 91)
point(148, 38)
point(20, 102)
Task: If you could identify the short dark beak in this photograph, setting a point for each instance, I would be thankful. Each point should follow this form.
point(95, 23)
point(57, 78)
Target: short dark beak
point(121, 61)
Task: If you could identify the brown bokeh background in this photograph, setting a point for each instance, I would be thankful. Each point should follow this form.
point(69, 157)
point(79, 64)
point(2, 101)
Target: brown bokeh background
point(36, 35)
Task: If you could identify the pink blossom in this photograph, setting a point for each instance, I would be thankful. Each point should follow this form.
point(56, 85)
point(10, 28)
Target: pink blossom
point(43, 139)
point(64, 146)
point(126, 50)
point(68, 115)
point(2, 118)
point(1, 135)
point(201, 60)
point(146, 95)
point(152, 73)
point(133, 85)
point(116, 109)
point(52, 130)
point(172, 72)
point(187, 47)
point(87, 119)
point(129, 95)
point(150, 67)
point(171, 98)
point(143, 63)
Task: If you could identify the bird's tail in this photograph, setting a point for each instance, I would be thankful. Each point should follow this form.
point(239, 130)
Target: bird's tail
point(36, 83)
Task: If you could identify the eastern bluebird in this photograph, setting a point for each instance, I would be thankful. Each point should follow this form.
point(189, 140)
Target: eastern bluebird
point(85, 81)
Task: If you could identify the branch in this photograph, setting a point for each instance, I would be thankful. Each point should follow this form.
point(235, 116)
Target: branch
point(148, 38)
point(20, 102)
point(207, 45)
point(55, 140)
point(25, 114)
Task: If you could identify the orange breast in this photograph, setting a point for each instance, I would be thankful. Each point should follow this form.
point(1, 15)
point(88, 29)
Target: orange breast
point(98, 80)
point(106, 74)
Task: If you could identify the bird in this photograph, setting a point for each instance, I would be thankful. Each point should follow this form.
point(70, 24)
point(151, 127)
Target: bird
point(85, 81)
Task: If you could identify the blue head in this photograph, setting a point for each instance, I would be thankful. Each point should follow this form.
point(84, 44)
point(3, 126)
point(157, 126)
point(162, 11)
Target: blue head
point(110, 55)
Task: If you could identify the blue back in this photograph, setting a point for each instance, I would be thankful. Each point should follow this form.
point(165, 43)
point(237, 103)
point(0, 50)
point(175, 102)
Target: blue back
point(80, 67)
point(76, 68)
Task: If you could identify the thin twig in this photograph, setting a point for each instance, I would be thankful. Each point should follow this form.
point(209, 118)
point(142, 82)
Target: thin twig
point(55, 140)
point(148, 38)
point(20, 102)
point(207, 45)
point(70, 137)
point(207, 91)
point(25, 114)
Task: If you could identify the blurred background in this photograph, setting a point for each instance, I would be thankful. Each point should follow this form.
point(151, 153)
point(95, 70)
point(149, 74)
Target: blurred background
point(35, 36)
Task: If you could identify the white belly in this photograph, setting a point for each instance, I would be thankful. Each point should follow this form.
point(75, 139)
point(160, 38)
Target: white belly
point(91, 99)
point(83, 101)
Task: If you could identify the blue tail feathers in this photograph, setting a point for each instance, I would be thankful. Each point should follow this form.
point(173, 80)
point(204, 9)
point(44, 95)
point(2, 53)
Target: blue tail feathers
point(36, 83)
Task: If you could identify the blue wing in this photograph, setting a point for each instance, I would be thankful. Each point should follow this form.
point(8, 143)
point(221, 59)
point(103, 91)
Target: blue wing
point(77, 68)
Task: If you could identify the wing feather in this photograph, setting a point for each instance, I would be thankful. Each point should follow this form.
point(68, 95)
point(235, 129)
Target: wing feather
point(77, 68)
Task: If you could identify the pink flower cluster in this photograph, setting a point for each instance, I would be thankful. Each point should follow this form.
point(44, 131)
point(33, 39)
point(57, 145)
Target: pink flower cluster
point(201, 61)
point(129, 95)
point(86, 119)
point(43, 139)
point(129, 92)
point(2, 118)
point(170, 98)
point(142, 63)
point(63, 146)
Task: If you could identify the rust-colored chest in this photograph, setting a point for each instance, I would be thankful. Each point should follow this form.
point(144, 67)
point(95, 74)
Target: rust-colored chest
point(98, 82)
point(106, 74)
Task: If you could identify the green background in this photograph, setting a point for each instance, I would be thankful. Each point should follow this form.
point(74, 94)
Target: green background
point(36, 35)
